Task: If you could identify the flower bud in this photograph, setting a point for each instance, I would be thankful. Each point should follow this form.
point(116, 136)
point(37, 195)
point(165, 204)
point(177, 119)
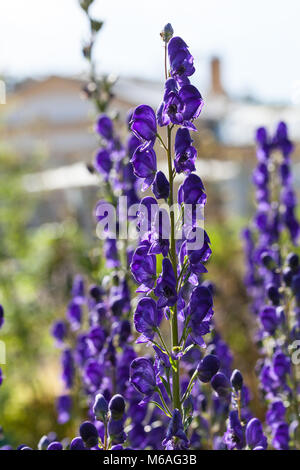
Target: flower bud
point(77, 444)
point(55, 446)
point(208, 367)
point(167, 33)
point(236, 380)
point(221, 385)
point(287, 275)
point(89, 434)
point(117, 407)
point(100, 407)
point(268, 261)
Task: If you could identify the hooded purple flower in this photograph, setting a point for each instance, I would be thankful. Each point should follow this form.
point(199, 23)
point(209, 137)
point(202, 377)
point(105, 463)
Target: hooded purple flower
point(165, 288)
point(175, 430)
point(111, 253)
point(208, 367)
point(181, 61)
point(254, 435)
point(63, 407)
point(180, 107)
point(143, 125)
point(103, 162)
point(104, 127)
point(144, 165)
point(185, 153)
point(147, 318)
point(161, 186)
point(234, 437)
point(275, 413)
point(143, 267)
point(200, 311)
point(192, 191)
point(93, 374)
point(142, 375)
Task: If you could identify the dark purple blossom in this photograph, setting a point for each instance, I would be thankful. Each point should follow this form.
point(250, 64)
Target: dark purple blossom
point(143, 125)
point(181, 61)
point(104, 127)
point(185, 153)
point(200, 311)
point(165, 288)
point(208, 367)
point(142, 375)
point(254, 434)
point(161, 186)
point(143, 267)
point(175, 436)
point(103, 162)
point(147, 317)
point(144, 165)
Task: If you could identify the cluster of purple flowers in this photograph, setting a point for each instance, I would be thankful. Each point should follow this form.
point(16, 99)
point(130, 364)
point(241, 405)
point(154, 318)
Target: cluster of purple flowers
point(272, 281)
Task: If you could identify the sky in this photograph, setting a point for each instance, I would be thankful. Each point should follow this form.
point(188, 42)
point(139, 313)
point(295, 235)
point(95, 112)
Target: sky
point(257, 40)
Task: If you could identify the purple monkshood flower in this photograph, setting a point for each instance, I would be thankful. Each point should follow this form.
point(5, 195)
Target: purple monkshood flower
point(116, 431)
point(192, 191)
point(179, 107)
point(208, 367)
point(234, 437)
point(181, 61)
point(104, 127)
point(143, 125)
point(1, 316)
point(93, 374)
point(165, 288)
point(200, 311)
point(143, 267)
point(175, 430)
point(275, 413)
point(77, 444)
point(160, 233)
point(161, 186)
point(221, 384)
point(282, 141)
point(55, 445)
point(147, 317)
point(103, 162)
point(142, 376)
point(201, 253)
point(78, 289)
point(63, 407)
point(144, 165)
point(255, 437)
point(59, 330)
point(185, 153)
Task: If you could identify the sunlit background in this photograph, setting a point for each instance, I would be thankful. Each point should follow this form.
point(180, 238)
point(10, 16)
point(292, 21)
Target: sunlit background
point(246, 57)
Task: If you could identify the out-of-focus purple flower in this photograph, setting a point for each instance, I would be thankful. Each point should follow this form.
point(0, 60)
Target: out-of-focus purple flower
point(234, 437)
point(221, 385)
point(93, 374)
point(281, 436)
point(208, 367)
point(111, 253)
point(275, 413)
point(144, 165)
point(181, 61)
point(68, 369)
point(74, 314)
point(96, 337)
point(143, 125)
point(142, 375)
point(103, 162)
point(161, 186)
point(104, 127)
point(78, 289)
point(63, 408)
point(268, 318)
point(59, 330)
point(282, 141)
point(165, 288)
point(237, 380)
point(175, 430)
point(143, 267)
point(185, 153)
point(200, 311)
point(147, 317)
point(254, 435)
